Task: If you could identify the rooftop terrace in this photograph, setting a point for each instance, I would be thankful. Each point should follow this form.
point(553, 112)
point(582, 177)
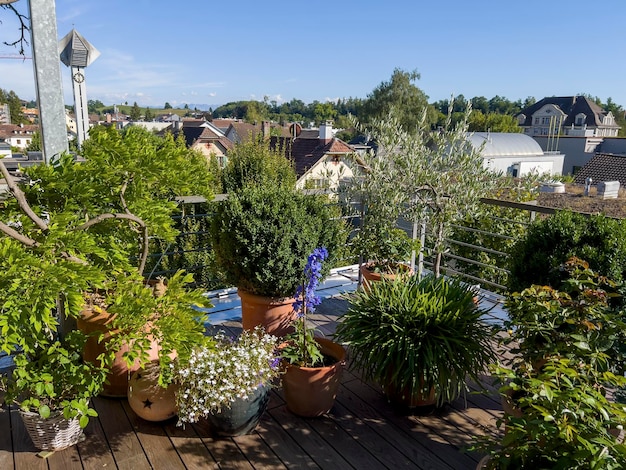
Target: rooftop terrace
point(362, 431)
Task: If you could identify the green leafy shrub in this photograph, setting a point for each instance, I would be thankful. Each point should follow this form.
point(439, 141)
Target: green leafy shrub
point(254, 163)
point(263, 235)
point(568, 351)
point(536, 258)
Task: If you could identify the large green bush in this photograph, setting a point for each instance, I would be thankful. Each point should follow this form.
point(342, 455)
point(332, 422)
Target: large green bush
point(262, 236)
point(255, 163)
point(599, 240)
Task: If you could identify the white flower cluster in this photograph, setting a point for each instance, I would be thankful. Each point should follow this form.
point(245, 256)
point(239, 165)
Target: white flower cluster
point(218, 374)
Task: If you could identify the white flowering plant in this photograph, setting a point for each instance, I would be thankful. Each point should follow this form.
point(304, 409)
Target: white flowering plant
point(223, 370)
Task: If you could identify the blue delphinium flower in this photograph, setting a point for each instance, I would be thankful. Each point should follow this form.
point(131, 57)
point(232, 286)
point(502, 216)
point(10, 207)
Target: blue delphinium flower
point(301, 348)
point(306, 299)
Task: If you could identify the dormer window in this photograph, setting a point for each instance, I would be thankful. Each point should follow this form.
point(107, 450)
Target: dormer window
point(580, 119)
point(521, 118)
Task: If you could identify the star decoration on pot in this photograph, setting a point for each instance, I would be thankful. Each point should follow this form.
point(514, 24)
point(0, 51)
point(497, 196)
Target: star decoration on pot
point(147, 403)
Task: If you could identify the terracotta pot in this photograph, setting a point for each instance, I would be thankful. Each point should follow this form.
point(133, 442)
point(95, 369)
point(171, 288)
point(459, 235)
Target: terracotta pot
point(368, 275)
point(94, 323)
point(274, 314)
point(149, 400)
point(242, 417)
point(407, 398)
point(508, 405)
point(311, 391)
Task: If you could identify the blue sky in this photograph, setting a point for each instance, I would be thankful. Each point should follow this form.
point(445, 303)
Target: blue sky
point(207, 52)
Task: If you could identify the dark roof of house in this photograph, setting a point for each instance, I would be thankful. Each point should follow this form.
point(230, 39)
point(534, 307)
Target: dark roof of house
point(571, 106)
point(306, 152)
point(604, 167)
point(11, 130)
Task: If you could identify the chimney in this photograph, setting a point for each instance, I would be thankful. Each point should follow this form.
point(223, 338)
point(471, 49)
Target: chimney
point(326, 131)
point(265, 130)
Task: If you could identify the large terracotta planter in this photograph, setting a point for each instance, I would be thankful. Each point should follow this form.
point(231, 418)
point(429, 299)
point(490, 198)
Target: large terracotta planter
point(94, 323)
point(311, 391)
point(368, 275)
point(147, 398)
point(243, 415)
point(407, 398)
point(274, 314)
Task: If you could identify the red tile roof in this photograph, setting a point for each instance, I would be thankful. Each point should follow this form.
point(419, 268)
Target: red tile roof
point(306, 152)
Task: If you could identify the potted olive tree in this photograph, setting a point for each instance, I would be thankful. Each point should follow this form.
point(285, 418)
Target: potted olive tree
point(423, 176)
point(418, 339)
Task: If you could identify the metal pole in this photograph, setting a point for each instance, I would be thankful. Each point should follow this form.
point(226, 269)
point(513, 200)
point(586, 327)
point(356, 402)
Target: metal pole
point(44, 40)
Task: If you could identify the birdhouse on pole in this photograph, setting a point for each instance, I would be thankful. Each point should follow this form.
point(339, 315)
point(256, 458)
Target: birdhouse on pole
point(77, 53)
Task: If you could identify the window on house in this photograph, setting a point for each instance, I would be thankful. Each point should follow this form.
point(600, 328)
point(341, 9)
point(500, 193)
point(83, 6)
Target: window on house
point(19, 141)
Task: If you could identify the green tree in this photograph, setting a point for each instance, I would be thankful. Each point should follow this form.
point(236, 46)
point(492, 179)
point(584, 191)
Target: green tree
point(148, 115)
point(94, 106)
point(324, 112)
point(493, 122)
point(135, 112)
point(167, 106)
point(35, 143)
point(15, 106)
point(400, 93)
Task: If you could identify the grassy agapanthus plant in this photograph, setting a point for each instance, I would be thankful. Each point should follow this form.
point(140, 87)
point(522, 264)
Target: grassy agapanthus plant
point(223, 370)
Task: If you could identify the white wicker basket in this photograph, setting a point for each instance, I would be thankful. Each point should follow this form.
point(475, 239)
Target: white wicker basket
point(53, 433)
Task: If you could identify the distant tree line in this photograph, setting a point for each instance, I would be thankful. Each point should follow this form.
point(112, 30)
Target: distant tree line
point(399, 95)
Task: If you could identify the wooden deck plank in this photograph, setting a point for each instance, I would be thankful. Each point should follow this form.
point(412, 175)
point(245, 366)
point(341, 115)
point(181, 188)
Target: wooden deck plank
point(123, 442)
point(224, 451)
point(66, 459)
point(258, 452)
point(25, 455)
point(309, 440)
point(283, 445)
point(95, 452)
point(154, 440)
point(375, 451)
point(190, 447)
point(6, 441)
point(421, 451)
point(416, 452)
point(422, 434)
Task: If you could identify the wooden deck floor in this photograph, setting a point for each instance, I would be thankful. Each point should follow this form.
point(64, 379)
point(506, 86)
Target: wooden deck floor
point(362, 431)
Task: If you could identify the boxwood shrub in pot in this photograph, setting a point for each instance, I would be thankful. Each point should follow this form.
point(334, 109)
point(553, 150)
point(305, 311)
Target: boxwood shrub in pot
point(417, 337)
point(262, 236)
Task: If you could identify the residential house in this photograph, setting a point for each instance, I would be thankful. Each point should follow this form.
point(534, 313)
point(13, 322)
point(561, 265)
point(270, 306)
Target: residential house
point(18, 136)
point(515, 154)
point(603, 167)
point(32, 114)
point(320, 160)
point(239, 131)
point(567, 115)
point(579, 150)
point(204, 136)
